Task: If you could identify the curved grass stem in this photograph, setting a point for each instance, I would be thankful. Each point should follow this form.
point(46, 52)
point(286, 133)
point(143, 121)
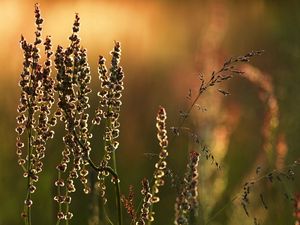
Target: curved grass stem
point(116, 182)
point(112, 172)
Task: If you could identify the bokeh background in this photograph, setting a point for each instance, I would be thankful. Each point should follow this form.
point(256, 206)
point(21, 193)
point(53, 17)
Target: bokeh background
point(165, 45)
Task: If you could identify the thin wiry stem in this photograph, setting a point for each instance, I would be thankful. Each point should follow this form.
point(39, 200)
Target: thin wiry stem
point(160, 166)
point(29, 127)
point(251, 181)
point(28, 176)
point(116, 181)
point(216, 77)
point(221, 209)
point(59, 194)
point(111, 172)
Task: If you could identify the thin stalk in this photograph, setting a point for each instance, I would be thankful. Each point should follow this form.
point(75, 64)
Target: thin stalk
point(173, 138)
point(116, 181)
point(101, 212)
point(116, 178)
point(29, 123)
point(118, 197)
point(215, 78)
point(118, 200)
point(112, 173)
point(28, 173)
point(254, 181)
point(107, 218)
point(58, 191)
point(221, 209)
point(67, 210)
point(25, 219)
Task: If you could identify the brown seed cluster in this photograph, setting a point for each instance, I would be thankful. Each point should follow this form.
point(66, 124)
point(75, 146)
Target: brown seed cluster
point(110, 100)
point(145, 210)
point(37, 97)
point(187, 202)
point(128, 203)
point(111, 83)
point(73, 77)
point(161, 165)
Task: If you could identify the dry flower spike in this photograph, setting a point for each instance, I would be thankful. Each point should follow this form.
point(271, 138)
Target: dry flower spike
point(37, 98)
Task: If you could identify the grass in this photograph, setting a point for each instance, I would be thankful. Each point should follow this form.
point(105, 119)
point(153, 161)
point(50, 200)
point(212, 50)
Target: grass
point(46, 100)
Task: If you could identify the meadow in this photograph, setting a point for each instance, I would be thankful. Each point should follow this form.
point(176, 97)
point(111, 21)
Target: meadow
point(150, 113)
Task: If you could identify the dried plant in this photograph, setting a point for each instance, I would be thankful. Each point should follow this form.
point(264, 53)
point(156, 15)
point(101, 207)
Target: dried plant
point(186, 201)
point(226, 72)
point(277, 175)
point(73, 77)
point(161, 165)
point(34, 122)
point(145, 210)
point(128, 203)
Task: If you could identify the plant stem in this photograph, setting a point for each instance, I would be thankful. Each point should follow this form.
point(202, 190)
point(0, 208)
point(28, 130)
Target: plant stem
point(116, 181)
point(254, 181)
point(118, 197)
point(29, 173)
point(116, 178)
point(112, 172)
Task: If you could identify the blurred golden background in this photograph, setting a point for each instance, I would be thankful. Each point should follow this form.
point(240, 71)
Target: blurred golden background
point(165, 45)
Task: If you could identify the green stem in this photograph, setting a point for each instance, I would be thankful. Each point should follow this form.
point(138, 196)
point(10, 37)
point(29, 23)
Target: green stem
point(118, 197)
point(254, 181)
point(67, 210)
point(152, 193)
point(116, 178)
point(221, 209)
point(28, 197)
point(111, 172)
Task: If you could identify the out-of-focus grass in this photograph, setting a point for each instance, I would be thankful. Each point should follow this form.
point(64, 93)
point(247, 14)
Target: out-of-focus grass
point(164, 45)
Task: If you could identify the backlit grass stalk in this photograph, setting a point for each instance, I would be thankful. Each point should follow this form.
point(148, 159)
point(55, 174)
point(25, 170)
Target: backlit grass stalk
point(243, 195)
point(109, 110)
point(228, 71)
point(161, 165)
point(187, 202)
point(73, 76)
point(146, 203)
point(37, 98)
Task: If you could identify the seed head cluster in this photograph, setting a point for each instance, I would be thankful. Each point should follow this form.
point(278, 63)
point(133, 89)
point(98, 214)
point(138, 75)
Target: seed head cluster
point(111, 84)
point(110, 100)
point(145, 210)
point(186, 201)
point(37, 97)
point(73, 77)
point(35, 123)
point(161, 165)
point(128, 203)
